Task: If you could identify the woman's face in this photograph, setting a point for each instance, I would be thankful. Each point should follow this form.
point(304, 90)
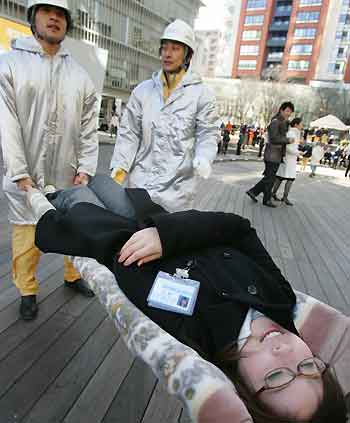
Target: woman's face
point(273, 347)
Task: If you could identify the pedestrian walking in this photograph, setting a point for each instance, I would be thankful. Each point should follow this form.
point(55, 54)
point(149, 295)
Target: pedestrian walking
point(261, 141)
point(225, 141)
point(287, 170)
point(169, 131)
point(273, 154)
point(347, 153)
point(48, 128)
point(316, 157)
point(306, 151)
point(113, 125)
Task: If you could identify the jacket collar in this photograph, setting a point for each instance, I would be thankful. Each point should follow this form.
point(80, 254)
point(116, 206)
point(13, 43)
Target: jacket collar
point(31, 45)
point(190, 78)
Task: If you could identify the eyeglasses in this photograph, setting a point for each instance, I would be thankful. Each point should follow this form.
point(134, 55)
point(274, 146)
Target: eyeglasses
point(312, 367)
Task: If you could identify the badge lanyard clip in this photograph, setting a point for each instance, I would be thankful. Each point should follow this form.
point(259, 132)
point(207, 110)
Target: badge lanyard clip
point(184, 273)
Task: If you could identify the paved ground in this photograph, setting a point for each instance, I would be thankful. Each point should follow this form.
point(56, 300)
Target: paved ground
point(70, 365)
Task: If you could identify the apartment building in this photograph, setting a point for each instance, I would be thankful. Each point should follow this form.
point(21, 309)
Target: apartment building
point(304, 40)
point(212, 39)
point(128, 29)
point(228, 37)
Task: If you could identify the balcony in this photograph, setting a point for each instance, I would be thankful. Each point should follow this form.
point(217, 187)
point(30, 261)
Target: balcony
point(283, 11)
point(279, 26)
point(274, 57)
point(276, 42)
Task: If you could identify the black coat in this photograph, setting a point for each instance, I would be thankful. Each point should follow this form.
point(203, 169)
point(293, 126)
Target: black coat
point(234, 269)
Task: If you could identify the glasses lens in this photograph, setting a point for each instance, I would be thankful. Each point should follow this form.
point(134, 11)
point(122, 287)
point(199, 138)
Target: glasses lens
point(278, 377)
point(311, 366)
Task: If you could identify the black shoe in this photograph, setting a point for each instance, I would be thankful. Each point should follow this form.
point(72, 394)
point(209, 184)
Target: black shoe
point(80, 286)
point(28, 308)
point(252, 196)
point(269, 204)
point(286, 201)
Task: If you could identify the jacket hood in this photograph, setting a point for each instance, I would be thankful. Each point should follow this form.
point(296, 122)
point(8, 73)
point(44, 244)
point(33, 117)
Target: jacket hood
point(31, 45)
point(190, 78)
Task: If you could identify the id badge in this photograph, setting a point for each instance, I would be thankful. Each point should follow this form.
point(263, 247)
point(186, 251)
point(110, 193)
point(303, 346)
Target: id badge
point(173, 293)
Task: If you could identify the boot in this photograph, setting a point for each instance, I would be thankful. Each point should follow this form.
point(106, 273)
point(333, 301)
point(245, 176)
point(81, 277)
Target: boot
point(276, 185)
point(28, 308)
point(287, 188)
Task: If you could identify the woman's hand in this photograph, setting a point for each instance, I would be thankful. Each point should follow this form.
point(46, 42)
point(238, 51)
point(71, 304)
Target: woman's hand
point(142, 247)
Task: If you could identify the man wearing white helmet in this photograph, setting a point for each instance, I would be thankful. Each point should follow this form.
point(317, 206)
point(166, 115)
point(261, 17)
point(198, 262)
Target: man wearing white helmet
point(48, 131)
point(169, 130)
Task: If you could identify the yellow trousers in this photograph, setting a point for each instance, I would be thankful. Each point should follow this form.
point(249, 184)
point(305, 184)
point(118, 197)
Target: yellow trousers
point(25, 259)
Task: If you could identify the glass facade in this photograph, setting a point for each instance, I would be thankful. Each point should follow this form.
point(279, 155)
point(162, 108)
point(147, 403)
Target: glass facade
point(300, 65)
point(129, 29)
point(254, 20)
point(305, 33)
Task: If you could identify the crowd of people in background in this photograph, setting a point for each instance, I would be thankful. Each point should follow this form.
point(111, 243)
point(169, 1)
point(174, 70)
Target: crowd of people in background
point(315, 146)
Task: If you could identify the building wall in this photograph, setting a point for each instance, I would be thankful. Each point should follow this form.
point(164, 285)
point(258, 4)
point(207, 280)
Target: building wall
point(129, 29)
point(302, 65)
point(229, 35)
point(212, 39)
point(303, 49)
point(256, 61)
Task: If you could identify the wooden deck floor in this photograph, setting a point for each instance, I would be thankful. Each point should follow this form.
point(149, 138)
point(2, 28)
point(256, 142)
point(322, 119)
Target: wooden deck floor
point(69, 365)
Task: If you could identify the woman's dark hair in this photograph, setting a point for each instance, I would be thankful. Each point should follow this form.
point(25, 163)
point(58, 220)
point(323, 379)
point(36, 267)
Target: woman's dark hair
point(295, 122)
point(287, 105)
point(331, 409)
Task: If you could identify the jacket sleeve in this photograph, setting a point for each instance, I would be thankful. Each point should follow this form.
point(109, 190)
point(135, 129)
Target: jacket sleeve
point(129, 135)
point(207, 126)
point(87, 151)
point(277, 132)
point(15, 162)
point(193, 229)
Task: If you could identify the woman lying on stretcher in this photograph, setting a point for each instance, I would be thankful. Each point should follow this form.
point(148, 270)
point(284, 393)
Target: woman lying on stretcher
point(242, 319)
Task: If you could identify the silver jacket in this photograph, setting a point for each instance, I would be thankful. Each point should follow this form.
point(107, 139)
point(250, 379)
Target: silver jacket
point(48, 122)
point(158, 141)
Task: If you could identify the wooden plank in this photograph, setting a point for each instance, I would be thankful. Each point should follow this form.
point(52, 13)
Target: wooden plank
point(19, 399)
point(13, 366)
point(162, 408)
point(20, 330)
point(62, 394)
point(10, 314)
point(139, 384)
point(91, 406)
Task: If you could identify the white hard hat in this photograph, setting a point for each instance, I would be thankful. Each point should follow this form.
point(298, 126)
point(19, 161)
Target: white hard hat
point(58, 3)
point(180, 31)
point(63, 4)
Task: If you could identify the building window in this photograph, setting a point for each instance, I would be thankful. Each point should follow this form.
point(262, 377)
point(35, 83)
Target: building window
point(336, 68)
point(256, 4)
point(344, 18)
point(305, 33)
point(301, 65)
point(310, 3)
point(249, 50)
point(342, 52)
point(247, 64)
point(308, 17)
point(254, 20)
point(251, 35)
point(301, 49)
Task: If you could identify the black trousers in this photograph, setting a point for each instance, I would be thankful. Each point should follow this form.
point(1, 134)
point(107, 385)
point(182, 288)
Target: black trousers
point(266, 183)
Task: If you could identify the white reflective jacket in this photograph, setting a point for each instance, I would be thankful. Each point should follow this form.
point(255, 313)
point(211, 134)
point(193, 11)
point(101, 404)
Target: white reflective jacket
point(158, 141)
point(48, 122)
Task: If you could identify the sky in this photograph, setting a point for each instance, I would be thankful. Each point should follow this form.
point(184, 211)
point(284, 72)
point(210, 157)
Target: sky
point(211, 16)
